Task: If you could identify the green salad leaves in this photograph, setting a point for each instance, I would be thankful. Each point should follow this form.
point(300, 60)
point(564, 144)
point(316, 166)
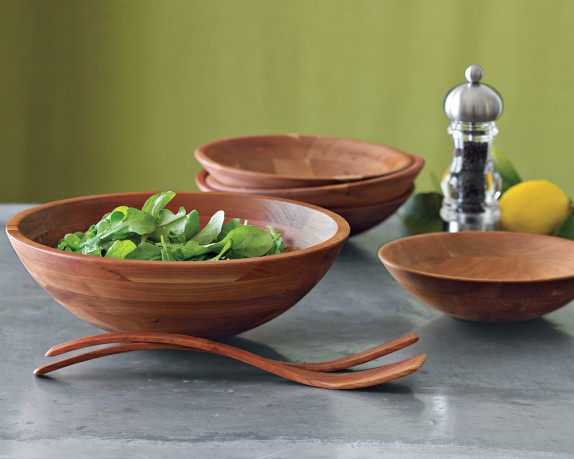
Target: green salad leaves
point(156, 233)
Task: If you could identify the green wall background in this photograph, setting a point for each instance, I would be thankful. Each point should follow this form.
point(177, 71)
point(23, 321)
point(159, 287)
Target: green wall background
point(102, 96)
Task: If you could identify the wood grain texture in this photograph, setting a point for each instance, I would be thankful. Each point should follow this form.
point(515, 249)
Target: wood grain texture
point(360, 193)
point(363, 218)
point(206, 299)
point(360, 217)
point(290, 161)
point(485, 276)
point(302, 373)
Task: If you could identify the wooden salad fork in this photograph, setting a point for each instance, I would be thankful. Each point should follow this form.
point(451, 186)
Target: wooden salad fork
point(311, 374)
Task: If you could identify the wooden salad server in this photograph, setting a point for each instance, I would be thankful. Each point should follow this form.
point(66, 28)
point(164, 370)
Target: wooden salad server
point(311, 374)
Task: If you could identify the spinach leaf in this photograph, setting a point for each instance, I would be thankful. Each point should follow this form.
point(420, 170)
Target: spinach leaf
point(72, 241)
point(91, 246)
point(184, 228)
point(250, 241)
point(278, 245)
point(157, 202)
point(224, 249)
point(194, 249)
point(210, 231)
point(145, 251)
point(166, 218)
point(190, 229)
point(119, 225)
point(227, 227)
point(166, 254)
point(120, 249)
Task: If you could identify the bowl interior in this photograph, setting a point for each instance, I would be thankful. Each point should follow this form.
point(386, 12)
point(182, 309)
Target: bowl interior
point(406, 175)
point(303, 157)
point(303, 226)
point(482, 256)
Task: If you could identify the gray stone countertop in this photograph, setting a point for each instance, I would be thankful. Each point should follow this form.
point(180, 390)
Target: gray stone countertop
point(485, 390)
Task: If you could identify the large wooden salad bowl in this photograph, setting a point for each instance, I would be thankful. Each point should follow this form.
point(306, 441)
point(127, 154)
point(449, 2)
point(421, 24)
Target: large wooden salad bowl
point(210, 299)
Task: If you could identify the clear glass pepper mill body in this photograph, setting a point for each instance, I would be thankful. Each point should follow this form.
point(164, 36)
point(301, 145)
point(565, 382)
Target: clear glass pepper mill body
point(472, 186)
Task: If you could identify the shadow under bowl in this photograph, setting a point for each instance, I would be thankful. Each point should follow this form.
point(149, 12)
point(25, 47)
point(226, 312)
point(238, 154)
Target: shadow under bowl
point(484, 276)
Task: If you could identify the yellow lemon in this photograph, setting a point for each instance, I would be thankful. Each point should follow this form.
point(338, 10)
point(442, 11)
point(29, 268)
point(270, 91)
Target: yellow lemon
point(534, 206)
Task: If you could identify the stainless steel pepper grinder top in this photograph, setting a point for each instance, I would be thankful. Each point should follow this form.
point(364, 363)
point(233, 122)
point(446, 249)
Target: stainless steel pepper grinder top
point(472, 186)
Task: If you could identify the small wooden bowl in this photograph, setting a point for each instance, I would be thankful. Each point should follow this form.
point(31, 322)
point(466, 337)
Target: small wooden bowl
point(210, 299)
point(363, 218)
point(362, 193)
point(291, 161)
point(484, 276)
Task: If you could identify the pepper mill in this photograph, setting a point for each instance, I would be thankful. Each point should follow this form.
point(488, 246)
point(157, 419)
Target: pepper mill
point(472, 186)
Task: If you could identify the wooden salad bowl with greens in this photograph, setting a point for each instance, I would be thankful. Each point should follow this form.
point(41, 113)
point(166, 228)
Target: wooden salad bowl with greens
point(210, 299)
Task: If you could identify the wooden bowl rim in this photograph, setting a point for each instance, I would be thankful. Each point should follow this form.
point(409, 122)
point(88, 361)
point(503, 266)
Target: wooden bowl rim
point(502, 234)
point(414, 167)
point(203, 158)
point(12, 230)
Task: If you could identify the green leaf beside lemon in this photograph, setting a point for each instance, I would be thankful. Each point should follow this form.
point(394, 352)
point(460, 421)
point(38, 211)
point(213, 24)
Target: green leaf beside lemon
point(533, 206)
point(420, 214)
point(566, 228)
point(505, 169)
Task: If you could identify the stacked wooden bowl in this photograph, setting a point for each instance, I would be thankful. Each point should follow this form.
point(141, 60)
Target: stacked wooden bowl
point(363, 182)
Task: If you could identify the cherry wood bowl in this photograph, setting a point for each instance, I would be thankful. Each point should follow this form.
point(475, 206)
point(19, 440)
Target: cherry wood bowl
point(290, 161)
point(210, 299)
point(342, 195)
point(484, 276)
point(363, 218)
